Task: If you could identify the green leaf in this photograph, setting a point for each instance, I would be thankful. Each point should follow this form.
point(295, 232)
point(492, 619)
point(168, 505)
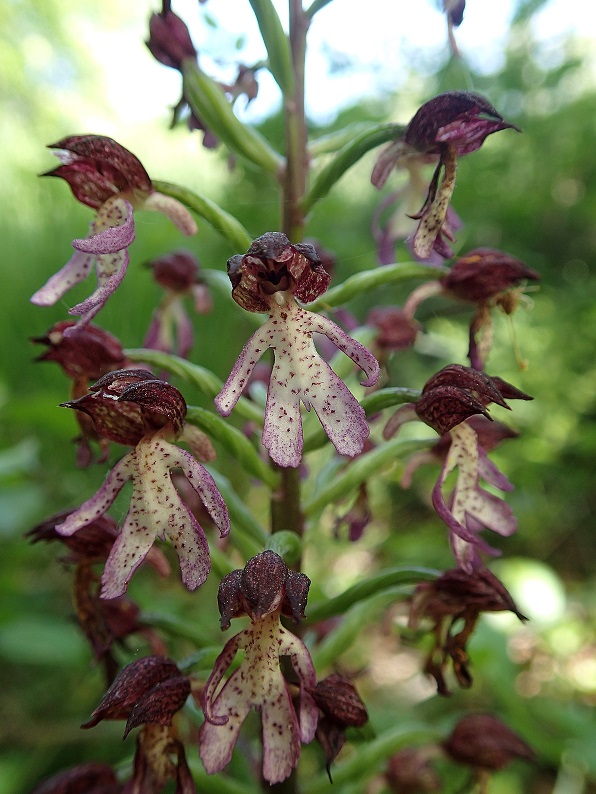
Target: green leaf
point(210, 104)
point(224, 223)
point(287, 544)
point(359, 470)
point(277, 44)
point(332, 141)
point(369, 280)
point(235, 442)
point(368, 587)
point(205, 380)
point(386, 398)
point(346, 158)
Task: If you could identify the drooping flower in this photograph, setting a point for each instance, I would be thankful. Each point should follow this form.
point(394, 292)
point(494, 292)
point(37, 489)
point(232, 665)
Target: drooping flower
point(484, 743)
point(105, 176)
point(454, 597)
point(448, 399)
point(103, 623)
point(446, 127)
point(132, 407)
point(84, 357)
point(269, 278)
point(487, 278)
point(263, 590)
point(149, 692)
point(341, 707)
point(171, 327)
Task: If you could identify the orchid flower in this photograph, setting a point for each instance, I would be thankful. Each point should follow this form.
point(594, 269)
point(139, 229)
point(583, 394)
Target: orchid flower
point(487, 278)
point(268, 278)
point(263, 590)
point(449, 398)
point(131, 407)
point(148, 693)
point(105, 176)
point(171, 327)
point(453, 597)
point(446, 127)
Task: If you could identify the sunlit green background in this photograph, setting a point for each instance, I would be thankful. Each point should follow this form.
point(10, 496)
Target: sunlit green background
point(533, 195)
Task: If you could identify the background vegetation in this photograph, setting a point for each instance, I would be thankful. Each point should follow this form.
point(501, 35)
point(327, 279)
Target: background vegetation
point(535, 195)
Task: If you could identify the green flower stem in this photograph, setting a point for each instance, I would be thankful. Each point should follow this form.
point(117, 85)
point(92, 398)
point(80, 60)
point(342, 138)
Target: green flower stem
point(369, 758)
point(209, 103)
point(205, 380)
point(368, 280)
point(345, 158)
point(224, 223)
point(359, 470)
point(276, 44)
point(236, 443)
point(286, 513)
point(332, 141)
point(368, 587)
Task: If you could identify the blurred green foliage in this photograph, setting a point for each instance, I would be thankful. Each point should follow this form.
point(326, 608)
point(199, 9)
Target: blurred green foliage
point(532, 194)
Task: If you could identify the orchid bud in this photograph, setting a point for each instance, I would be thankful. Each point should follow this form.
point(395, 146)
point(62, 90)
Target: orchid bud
point(264, 586)
point(89, 353)
point(484, 742)
point(97, 167)
point(169, 40)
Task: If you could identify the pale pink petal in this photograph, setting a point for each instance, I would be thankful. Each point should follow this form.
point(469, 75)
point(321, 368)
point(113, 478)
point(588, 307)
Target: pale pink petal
point(405, 413)
point(156, 507)
point(118, 263)
point(339, 412)
point(222, 663)
point(304, 668)
point(204, 484)
point(260, 341)
point(282, 430)
point(172, 209)
point(353, 349)
point(492, 512)
point(489, 472)
point(281, 737)
point(184, 329)
point(129, 550)
point(115, 230)
point(97, 505)
point(216, 740)
point(74, 271)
